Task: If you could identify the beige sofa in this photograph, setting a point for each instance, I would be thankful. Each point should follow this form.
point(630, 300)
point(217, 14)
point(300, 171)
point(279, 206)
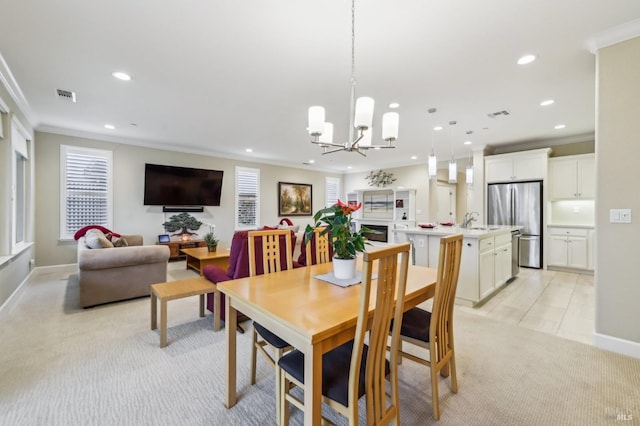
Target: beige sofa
point(119, 273)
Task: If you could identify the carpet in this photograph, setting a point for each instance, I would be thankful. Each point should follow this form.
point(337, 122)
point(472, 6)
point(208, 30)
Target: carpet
point(63, 365)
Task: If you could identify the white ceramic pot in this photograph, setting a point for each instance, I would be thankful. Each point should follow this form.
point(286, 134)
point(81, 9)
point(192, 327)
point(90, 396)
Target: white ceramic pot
point(344, 269)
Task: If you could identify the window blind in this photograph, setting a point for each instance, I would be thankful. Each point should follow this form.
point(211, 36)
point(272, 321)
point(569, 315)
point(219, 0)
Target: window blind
point(86, 189)
point(247, 197)
point(332, 191)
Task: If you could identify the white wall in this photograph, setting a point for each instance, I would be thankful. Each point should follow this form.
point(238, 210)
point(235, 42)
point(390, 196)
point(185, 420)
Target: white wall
point(130, 215)
point(618, 178)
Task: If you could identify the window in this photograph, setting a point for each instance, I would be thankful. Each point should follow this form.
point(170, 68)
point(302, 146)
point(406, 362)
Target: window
point(20, 141)
point(247, 198)
point(86, 189)
point(332, 191)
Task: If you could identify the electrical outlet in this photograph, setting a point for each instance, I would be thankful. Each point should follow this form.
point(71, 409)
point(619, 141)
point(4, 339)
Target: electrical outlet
point(421, 243)
point(625, 216)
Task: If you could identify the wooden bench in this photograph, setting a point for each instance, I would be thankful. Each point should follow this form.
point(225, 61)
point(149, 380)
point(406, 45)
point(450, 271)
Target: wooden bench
point(173, 290)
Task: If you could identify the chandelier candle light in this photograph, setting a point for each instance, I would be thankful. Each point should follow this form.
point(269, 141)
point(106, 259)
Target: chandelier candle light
point(360, 118)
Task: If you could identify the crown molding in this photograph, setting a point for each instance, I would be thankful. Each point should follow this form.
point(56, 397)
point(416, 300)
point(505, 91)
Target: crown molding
point(613, 36)
point(10, 83)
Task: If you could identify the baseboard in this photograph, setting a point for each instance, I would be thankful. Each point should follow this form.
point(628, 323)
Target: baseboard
point(617, 345)
point(571, 270)
point(8, 304)
point(70, 268)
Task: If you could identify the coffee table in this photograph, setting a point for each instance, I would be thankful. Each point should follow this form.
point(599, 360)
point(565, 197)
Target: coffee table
point(199, 257)
point(173, 290)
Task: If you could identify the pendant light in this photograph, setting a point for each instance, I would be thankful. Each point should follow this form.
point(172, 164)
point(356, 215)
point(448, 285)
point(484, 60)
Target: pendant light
point(360, 117)
point(433, 161)
point(469, 171)
point(453, 166)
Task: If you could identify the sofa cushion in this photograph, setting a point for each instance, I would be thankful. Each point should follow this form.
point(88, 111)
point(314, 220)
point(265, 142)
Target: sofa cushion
point(95, 239)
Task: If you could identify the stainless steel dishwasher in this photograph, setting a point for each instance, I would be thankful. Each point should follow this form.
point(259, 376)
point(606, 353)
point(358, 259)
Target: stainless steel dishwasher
point(515, 252)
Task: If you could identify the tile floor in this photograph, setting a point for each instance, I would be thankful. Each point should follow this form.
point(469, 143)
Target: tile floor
point(559, 303)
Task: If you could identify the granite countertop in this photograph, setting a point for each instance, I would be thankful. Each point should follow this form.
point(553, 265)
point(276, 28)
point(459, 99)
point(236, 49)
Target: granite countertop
point(476, 231)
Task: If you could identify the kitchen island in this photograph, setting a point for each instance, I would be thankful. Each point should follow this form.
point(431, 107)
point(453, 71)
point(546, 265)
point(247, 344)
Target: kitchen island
point(486, 263)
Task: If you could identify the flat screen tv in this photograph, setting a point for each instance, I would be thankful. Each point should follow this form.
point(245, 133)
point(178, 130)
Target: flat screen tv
point(181, 186)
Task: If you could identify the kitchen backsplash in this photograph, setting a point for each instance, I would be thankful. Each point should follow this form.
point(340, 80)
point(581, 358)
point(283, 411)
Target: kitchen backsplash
point(570, 212)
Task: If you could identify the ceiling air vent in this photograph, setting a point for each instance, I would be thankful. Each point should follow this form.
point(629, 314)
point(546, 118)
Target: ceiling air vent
point(498, 113)
point(67, 95)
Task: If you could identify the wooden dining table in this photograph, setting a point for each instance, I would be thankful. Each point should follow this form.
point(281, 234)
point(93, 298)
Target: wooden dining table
point(314, 316)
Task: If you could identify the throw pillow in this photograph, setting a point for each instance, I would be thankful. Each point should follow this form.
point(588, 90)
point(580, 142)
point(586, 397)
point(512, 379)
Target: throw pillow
point(121, 242)
point(294, 228)
point(95, 239)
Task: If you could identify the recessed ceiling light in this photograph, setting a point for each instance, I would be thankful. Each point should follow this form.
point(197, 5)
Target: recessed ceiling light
point(349, 167)
point(312, 161)
point(109, 126)
point(560, 126)
point(467, 142)
point(437, 128)
point(121, 75)
point(414, 157)
point(526, 59)
point(249, 150)
point(547, 102)
point(394, 105)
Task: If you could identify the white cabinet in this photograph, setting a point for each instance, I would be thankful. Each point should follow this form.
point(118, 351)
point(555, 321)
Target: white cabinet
point(502, 254)
point(486, 273)
point(525, 165)
point(572, 177)
point(569, 248)
point(485, 266)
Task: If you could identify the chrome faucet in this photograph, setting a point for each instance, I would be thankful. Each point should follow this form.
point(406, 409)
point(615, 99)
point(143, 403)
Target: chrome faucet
point(469, 218)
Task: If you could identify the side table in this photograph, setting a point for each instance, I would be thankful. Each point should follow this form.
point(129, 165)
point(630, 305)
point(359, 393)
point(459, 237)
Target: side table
point(173, 290)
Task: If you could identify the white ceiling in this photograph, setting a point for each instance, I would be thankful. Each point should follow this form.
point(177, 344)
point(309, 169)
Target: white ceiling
point(222, 76)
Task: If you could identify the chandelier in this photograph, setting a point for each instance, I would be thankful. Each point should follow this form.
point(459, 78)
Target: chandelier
point(360, 118)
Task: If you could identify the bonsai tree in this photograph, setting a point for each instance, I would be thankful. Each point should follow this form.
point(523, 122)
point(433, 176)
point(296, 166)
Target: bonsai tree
point(184, 222)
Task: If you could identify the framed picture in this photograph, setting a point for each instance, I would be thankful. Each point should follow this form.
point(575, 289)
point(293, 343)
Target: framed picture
point(399, 203)
point(294, 199)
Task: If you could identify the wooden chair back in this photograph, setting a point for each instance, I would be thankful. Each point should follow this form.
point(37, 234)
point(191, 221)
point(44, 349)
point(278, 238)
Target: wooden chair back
point(273, 252)
point(389, 302)
point(441, 327)
point(319, 245)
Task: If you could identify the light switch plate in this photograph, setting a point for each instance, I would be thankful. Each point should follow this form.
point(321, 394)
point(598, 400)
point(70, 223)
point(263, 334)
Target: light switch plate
point(620, 215)
point(614, 216)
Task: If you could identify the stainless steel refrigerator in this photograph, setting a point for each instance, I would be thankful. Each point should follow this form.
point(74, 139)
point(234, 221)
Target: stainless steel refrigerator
point(519, 204)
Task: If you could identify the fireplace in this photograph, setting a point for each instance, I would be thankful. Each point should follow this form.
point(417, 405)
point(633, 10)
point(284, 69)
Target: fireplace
point(382, 236)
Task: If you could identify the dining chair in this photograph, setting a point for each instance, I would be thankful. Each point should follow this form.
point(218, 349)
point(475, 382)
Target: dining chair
point(319, 249)
point(269, 251)
point(355, 369)
point(434, 330)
